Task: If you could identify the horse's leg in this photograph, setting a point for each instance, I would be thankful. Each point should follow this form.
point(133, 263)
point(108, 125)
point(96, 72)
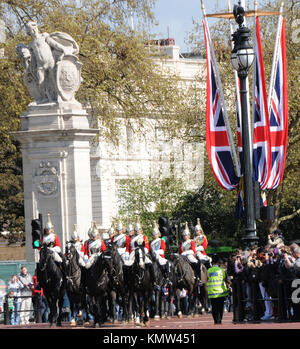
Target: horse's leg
point(72, 309)
point(96, 311)
point(60, 298)
point(178, 307)
point(113, 304)
point(146, 300)
point(50, 316)
point(156, 304)
point(138, 305)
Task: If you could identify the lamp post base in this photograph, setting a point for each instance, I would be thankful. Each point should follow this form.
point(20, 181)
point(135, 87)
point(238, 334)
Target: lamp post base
point(250, 239)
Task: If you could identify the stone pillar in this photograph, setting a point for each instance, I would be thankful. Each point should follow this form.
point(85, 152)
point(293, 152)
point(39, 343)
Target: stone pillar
point(55, 140)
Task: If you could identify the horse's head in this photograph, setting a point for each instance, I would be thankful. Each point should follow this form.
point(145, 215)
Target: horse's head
point(140, 253)
point(71, 252)
point(107, 260)
point(44, 256)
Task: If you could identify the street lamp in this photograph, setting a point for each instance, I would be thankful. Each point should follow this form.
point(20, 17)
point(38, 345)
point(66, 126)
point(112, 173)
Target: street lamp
point(242, 57)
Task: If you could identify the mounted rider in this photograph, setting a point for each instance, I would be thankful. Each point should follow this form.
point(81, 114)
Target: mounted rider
point(94, 247)
point(201, 243)
point(79, 246)
point(138, 238)
point(51, 240)
point(188, 249)
point(158, 248)
point(86, 243)
point(120, 239)
point(111, 232)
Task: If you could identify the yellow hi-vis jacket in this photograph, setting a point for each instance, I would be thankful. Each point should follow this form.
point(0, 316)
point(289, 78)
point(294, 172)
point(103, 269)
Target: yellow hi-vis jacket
point(216, 286)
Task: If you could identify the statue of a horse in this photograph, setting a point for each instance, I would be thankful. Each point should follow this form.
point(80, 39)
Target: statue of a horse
point(53, 282)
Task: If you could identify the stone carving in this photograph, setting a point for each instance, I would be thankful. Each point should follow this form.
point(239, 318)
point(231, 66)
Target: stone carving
point(52, 69)
point(46, 178)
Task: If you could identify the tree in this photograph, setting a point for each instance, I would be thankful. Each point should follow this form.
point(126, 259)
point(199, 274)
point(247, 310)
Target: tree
point(150, 198)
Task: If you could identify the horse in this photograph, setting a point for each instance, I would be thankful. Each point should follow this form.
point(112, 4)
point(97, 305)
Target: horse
point(96, 283)
point(162, 303)
point(116, 282)
point(74, 285)
point(200, 291)
point(183, 278)
point(51, 279)
point(139, 285)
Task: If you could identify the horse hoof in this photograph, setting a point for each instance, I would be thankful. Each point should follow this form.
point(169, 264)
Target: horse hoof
point(156, 318)
point(73, 323)
point(196, 315)
point(147, 323)
point(179, 315)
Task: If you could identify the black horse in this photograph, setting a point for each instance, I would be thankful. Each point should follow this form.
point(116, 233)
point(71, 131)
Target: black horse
point(96, 283)
point(117, 292)
point(51, 279)
point(162, 302)
point(139, 285)
point(183, 278)
point(74, 285)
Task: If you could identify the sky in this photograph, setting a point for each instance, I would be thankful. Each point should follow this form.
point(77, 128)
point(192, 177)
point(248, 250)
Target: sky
point(177, 15)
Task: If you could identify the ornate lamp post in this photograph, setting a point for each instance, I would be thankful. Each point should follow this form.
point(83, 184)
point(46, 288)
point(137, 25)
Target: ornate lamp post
point(242, 57)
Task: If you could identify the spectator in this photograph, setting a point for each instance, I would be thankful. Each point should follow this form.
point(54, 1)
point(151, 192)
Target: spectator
point(275, 238)
point(37, 301)
point(26, 294)
point(10, 305)
point(15, 286)
point(268, 315)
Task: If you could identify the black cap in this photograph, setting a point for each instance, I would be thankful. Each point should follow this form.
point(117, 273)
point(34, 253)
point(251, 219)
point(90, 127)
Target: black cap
point(277, 231)
point(215, 258)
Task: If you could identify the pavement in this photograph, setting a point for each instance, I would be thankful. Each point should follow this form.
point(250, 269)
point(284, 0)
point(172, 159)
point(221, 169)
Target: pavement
point(202, 322)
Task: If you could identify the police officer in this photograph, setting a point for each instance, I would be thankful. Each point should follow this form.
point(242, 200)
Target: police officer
point(216, 289)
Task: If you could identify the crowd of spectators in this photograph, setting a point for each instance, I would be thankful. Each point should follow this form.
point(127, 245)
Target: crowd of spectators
point(262, 280)
point(22, 298)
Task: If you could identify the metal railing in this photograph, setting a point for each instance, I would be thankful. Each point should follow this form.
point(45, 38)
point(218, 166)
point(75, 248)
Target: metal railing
point(8, 313)
point(248, 303)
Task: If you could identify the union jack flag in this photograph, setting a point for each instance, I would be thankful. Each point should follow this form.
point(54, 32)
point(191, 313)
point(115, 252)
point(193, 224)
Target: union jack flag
point(279, 115)
point(261, 126)
point(217, 142)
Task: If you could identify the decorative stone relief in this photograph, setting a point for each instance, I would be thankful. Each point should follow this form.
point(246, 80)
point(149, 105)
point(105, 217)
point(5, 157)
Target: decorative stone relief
point(52, 69)
point(46, 178)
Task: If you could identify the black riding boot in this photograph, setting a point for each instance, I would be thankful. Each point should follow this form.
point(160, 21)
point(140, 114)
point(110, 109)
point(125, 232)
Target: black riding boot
point(196, 268)
point(166, 272)
point(63, 266)
point(152, 274)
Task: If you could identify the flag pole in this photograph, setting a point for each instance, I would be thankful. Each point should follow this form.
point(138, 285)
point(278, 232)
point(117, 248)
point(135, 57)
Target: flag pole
point(236, 78)
point(275, 58)
point(221, 94)
point(254, 67)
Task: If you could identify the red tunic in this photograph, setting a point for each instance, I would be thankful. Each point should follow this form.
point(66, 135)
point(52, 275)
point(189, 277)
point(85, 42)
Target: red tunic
point(161, 247)
point(101, 249)
point(192, 247)
point(129, 244)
